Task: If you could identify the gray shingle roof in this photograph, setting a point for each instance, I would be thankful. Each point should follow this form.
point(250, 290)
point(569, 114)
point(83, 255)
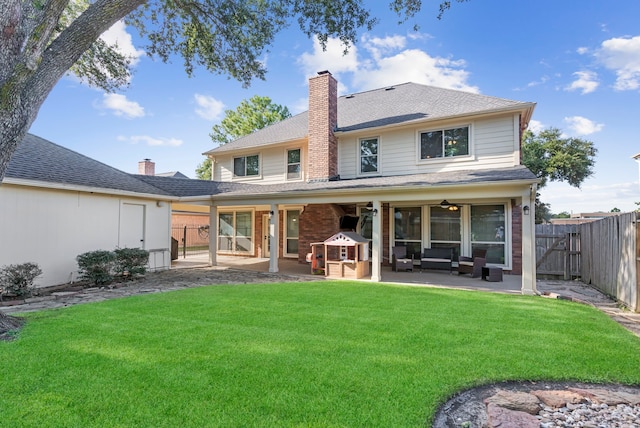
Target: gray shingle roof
point(180, 187)
point(41, 160)
point(401, 104)
point(485, 176)
point(174, 174)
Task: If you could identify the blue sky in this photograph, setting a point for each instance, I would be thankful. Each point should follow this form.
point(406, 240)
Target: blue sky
point(579, 61)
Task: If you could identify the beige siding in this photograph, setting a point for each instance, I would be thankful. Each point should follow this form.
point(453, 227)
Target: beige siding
point(273, 166)
point(51, 228)
point(493, 142)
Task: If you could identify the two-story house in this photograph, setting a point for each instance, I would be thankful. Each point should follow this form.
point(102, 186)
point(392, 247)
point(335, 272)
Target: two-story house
point(419, 166)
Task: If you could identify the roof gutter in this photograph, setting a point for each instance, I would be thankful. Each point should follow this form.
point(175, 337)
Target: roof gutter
point(84, 189)
point(378, 190)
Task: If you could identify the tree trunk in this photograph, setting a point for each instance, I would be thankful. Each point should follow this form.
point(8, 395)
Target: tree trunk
point(30, 66)
point(9, 323)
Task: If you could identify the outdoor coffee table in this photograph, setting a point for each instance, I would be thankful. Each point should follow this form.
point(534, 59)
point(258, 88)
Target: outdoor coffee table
point(492, 274)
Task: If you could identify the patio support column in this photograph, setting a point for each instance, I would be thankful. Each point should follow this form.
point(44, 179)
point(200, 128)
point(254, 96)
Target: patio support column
point(529, 242)
point(274, 223)
point(213, 235)
point(376, 241)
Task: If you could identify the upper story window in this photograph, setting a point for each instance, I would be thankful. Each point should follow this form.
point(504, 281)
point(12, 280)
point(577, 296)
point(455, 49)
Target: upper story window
point(444, 143)
point(244, 166)
point(368, 155)
point(293, 164)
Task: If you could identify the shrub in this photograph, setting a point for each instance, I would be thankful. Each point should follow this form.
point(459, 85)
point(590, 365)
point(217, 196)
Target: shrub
point(131, 261)
point(18, 279)
point(96, 266)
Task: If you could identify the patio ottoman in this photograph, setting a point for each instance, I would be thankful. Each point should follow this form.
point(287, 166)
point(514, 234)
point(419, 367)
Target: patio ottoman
point(492, 274)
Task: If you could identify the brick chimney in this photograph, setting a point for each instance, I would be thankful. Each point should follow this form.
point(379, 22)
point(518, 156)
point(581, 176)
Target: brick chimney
point(323, 119)
point(146, 167)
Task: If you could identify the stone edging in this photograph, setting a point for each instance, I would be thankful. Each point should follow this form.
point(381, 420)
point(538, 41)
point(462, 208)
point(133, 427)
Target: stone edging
point(540, 404)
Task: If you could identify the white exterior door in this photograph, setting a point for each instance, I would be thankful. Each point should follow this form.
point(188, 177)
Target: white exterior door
point(131, 226)
point(266, 239)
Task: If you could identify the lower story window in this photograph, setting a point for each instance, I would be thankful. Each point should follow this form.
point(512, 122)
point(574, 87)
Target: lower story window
point(445, 229)
point(488, 227)
point(476, 227)
point(235, 232)
point(292, 231)
point(408, 229)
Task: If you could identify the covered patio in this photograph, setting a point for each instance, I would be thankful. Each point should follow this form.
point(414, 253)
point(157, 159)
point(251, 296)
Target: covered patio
point(510, 284)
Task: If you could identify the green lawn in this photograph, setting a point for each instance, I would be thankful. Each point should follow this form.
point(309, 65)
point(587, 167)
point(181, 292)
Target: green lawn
point(319, 354)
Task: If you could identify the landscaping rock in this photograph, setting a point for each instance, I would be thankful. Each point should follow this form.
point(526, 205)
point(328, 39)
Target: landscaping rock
point(558, 399)
point(515, 400)
point(499, 417)
point(609, 397)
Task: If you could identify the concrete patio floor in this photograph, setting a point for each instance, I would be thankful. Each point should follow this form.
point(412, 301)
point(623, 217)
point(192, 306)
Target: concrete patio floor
point(510, 284)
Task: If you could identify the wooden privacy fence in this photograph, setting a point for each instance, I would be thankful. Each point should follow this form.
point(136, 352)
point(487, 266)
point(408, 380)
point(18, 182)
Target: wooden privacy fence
point(557, 250)
point(603, 253)
point(610, 257)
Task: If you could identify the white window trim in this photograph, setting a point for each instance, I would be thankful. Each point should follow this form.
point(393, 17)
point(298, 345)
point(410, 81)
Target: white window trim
point(465, 218)
point(508, 243)
point(359, 160)
point(284, 231)
point(286, 164)
point(463, 158)
point(251, 251)
point(246, 177)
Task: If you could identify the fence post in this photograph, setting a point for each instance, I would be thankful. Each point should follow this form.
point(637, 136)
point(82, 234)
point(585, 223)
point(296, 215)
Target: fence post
point(567, 256)
point(184, 243)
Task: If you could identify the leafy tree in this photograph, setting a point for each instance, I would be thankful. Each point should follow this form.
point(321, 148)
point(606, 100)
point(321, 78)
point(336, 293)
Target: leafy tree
point(554, 158)
point(615, 210)
point(43, 40)
point(248, 117)
point(563, 214)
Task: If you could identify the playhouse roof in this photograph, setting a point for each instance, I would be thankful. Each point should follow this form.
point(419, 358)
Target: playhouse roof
point(346, 239)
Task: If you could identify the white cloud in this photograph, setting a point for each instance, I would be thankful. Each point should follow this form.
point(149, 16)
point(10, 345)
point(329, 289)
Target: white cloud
point(208, 107)
point(622, 55)
point(117, 36)
point(332, 59)
point(590, 197)
point(536, 126)
point(414, 65)
point(380, 46)
point(582, 50)
point(388, 62)
point(121, 106)
point(543, 80)
point(586, 82)
point(582, 126)
point(151, 141)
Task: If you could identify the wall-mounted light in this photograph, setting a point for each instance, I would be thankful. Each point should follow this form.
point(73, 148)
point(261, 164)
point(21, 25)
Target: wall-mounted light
point(526, 209)
point(271, 213)
point(375, 211)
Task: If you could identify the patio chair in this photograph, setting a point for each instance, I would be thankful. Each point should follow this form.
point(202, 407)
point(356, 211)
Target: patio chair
point(400, 260)
point(473, 264)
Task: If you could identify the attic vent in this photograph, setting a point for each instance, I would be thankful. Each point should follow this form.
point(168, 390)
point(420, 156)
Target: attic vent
point(390, 88)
